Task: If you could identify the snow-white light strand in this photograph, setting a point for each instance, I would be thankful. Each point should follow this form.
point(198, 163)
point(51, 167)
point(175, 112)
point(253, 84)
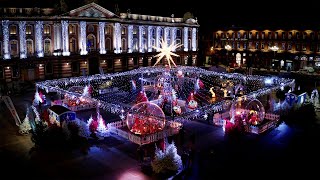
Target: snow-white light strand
point(5, 34)
point(22, 38)
point(39, 39)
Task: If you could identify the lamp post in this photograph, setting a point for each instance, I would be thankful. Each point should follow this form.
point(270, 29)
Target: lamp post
point(274, 49)
point(228, 48)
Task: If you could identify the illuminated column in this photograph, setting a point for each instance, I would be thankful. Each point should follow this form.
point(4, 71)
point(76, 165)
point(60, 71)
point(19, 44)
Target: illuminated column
point(173, 36)
point(158, 37)
point(166, 33)
point(194, 39)
point(117, 38)
point(65, 38)
point(22, 39)
point(5, 32)
point(185, 38)
point(39, 41)
point(57, 36)
point(149, 38)
point(141, 29)
point(130, 38)
point(102, 38)
point(83, 38)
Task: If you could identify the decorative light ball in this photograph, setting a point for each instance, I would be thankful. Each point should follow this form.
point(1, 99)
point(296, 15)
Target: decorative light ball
point(145, 118)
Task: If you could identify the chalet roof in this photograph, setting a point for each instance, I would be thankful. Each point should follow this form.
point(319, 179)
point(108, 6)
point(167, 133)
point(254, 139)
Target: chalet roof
point(58, 109)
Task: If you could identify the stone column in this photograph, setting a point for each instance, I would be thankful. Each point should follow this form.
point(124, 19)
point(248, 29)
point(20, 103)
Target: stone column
point(130, 38)
point(5, 33)
point(102, 42)
point(194, 39)
point(117, 38)
point(65, 38)
point(141, 29)
point(57, 36)
point(149, 38)
point(22, 39)
point(39, 41)
point(185, 39)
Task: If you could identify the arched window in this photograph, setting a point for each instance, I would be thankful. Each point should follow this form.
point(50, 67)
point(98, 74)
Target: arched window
point(29, 43)
point(123, 30)
point(153, 33)
point(178, 41)
point(108, 44)
point(91, 28)
point(47, 46)
point(73, 45)
point(153, 43)
point(124, 45)
point(145, 44)
point(91, 42)
point(178, 34)
point(14, 48)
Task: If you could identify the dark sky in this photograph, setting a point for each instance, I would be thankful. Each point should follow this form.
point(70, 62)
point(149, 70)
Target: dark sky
point(209, 13)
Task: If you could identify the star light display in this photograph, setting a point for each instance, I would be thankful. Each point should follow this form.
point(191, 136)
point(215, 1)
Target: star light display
point(166, 51)
point(121, 95)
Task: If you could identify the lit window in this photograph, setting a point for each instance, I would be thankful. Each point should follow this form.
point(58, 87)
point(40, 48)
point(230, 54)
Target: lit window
point(28, 30)
point(123, 30)
point(13, 30)
point(46, 30)
point(108, 30)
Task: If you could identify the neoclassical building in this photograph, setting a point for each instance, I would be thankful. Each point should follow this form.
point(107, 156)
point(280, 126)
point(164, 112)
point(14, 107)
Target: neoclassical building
point(38, 44)
point(277, 48)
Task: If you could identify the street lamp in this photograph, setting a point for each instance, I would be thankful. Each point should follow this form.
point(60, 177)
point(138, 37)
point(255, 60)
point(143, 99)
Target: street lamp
point(274, 49)
point(228, 48)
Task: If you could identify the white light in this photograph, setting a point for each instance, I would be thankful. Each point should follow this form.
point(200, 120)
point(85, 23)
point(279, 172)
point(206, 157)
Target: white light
point(39, 42)
point(165, 51)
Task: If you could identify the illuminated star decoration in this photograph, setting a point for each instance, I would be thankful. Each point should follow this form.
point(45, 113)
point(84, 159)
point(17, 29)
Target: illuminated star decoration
point(205, 116)
point(165, 50)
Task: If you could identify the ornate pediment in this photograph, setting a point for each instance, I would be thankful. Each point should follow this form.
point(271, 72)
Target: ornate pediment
point(91, 10)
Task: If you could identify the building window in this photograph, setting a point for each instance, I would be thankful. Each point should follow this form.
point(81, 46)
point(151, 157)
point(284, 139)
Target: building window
point(269, 35)
point(178, 34)
point(90, 28)
point(108, 30)
point(238, 45)
point(245, 35)
point(289, 46)
point(29, 43)
point(49, 68)
point(135, 31)
point(304, 48)
point(178, 41)
point(250, 35)
point(250, 45)
point(257, 45)
point(123, 44)
point(123, 31)
point(290, 35)
point(283, 47)
point(75, 66)
point(257, 35)
point(238, 35)
point(73, 45)
point(304, 35)
point(15, 70)
point(283, 35)
point(262, 35)
point(144, 32)
point(276, 35)
point(153, 32)
point(108, 44)
point(13, 30)
point(14, 47)
point(135, 45)
point(72, 29)
point(297, 35)
point(47, 46)
point(262, 45)
point(28, 30)
point(297, 47)
point(46, 30)
point(244, 45)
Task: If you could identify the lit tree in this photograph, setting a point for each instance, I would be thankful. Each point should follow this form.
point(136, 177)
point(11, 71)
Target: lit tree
point(102, 130)
point(25, 127)
point(167, 160)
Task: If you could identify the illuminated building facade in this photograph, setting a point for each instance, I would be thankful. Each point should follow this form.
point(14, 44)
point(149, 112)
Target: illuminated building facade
point(276, 49)
point(38, 44)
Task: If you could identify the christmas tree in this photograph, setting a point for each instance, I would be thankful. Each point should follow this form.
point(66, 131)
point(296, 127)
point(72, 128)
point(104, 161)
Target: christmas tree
point(141, 97)
point(102, 130)
point(25, 127)
point(167, 160)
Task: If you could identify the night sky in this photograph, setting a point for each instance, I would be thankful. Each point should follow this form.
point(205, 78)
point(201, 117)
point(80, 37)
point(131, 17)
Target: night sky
point(211, 14)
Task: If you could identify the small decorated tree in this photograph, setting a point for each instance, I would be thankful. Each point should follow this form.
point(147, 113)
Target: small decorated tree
point(102, 130)
point(167, 160)
point(25, 127)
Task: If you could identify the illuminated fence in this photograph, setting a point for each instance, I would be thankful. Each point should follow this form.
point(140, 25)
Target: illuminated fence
point(171, 129)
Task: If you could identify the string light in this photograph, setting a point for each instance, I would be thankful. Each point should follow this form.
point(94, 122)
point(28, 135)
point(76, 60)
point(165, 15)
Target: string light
point(120, 96)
